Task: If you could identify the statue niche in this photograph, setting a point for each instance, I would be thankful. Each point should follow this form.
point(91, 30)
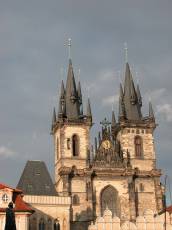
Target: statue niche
point(109, 199)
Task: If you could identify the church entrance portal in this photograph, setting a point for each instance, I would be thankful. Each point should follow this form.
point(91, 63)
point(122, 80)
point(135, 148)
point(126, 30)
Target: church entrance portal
point(109, 199)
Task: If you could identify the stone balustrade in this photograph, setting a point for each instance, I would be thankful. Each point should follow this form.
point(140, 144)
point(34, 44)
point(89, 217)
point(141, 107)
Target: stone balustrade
point(146, 222)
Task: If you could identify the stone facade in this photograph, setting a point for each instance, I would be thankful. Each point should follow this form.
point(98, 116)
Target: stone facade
point(147, 221)
point(120, 172)
point(48, 210)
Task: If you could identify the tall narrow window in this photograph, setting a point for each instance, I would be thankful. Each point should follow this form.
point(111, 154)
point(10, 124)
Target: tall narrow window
point(56, 225)
point(75, 145)
point(49, 224)
point(138, 147)
point(57, 148)
point(141, 187)
point(41, 224)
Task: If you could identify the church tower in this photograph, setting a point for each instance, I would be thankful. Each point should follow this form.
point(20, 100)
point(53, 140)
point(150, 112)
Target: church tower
point(71, 130)
point(135, 134)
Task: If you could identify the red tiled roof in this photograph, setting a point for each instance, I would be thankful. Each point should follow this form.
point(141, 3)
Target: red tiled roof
point(169, 209)
point(2, 186)
point(20, 205)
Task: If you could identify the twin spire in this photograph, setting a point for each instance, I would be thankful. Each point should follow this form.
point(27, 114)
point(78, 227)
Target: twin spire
point(71, 105)
point(70, 102)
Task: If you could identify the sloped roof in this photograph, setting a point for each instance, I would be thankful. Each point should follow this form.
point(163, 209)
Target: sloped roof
point(36, 180)
point(20, 205)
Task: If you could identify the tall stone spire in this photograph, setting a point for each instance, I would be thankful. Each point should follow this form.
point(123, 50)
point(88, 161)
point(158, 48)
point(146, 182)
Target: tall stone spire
point(131, 104)
point(72, 102)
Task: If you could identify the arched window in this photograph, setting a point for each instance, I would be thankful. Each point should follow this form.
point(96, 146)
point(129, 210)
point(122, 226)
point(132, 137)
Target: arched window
point(75, 145)
point(109, 199)
point(57, 148)
point(75, 200)
point(49, 224)
point(138, 147)
point(33, 224)
point(56, 225)
point(41, 224)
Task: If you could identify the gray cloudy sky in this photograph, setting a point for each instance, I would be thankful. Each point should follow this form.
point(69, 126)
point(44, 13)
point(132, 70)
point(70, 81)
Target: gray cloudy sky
point(33, 60)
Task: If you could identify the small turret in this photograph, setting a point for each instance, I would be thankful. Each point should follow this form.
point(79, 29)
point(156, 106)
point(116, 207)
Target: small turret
point(151, 112)
point(89, 113)
point(139, 96)
point(53, 119)
point(60, 111)
point(113, 123)
point(121, 104)
point(79, 92)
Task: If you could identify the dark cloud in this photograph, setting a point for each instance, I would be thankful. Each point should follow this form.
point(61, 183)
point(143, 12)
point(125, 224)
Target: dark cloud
point(32, 54)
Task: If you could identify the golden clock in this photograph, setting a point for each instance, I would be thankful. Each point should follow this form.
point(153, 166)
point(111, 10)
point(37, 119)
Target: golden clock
point(106, 144)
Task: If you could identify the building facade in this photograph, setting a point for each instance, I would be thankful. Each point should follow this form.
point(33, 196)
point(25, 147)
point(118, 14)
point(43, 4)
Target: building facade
point(120, 171)
point(22, 210)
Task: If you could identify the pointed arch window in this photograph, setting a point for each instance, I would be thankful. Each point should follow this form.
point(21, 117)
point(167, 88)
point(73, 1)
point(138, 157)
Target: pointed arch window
point(56, 225)
point(49, 224)
point(138, 147)
point(75, 145)
point(75, 200)
point(41, 224)
point(33, 224)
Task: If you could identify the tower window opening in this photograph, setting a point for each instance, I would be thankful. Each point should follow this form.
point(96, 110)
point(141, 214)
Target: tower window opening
point(75, 145)
point(141, 187)
point(76, 200)
point(68, 143)
point(138, 147)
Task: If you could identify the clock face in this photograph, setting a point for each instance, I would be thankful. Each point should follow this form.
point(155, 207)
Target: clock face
point(106, 144)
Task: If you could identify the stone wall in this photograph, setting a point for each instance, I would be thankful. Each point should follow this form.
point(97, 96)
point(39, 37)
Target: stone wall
point(148, 221)
point(49, 209)
point(21, 221)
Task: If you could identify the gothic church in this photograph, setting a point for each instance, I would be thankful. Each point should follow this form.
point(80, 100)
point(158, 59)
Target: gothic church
point(119, 172)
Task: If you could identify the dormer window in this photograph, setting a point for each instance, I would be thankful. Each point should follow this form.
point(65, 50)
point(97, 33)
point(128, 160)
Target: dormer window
point(5, 198)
